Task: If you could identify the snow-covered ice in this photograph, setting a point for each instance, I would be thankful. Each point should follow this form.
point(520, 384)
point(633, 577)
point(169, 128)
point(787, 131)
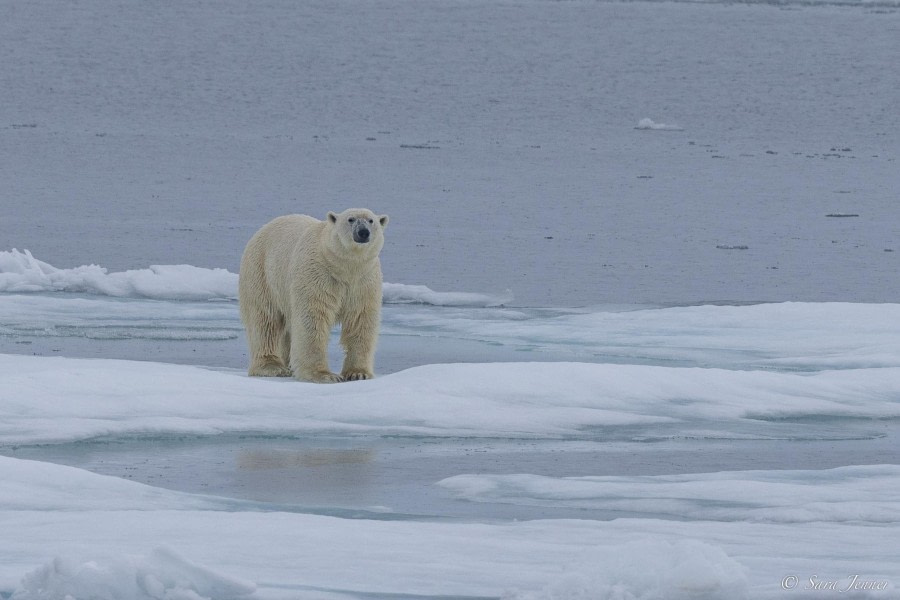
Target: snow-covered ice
point(855, 494)
point(787, 336)
point(290, 555)
point(60, 399)
point(398, 293)
point(709, 535)
point(164, 574)
point(21, 272)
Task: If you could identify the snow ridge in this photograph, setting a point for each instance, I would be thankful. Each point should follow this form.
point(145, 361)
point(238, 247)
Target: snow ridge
point(164, 574)
point(22, 272)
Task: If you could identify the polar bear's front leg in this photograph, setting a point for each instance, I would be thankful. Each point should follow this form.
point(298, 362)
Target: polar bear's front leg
point(309, 348)
point(358, 337)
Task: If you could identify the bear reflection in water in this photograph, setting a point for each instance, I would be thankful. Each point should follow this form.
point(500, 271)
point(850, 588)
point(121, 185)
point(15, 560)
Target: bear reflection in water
point(258, 459)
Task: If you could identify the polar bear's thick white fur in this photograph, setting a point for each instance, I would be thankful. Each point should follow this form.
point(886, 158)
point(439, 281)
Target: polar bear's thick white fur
point(299, 277)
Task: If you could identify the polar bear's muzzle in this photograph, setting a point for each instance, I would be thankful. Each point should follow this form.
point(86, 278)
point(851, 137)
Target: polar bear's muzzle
point(361, 234)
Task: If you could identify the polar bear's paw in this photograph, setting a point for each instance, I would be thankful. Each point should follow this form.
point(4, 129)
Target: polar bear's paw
point(356, 375)
point(270, 369)
point(321, 377)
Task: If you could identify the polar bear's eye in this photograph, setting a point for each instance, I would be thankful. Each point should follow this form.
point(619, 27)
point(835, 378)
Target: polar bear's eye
point(352, 219)
point(371, 221)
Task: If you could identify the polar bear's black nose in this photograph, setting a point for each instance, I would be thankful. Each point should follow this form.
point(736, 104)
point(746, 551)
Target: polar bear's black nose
point(361, 235)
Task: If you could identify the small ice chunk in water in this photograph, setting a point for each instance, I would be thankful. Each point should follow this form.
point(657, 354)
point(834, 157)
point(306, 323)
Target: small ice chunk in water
point(647, 123)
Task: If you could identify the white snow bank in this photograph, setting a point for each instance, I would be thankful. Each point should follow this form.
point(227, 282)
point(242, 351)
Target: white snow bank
point(58, 399)
point(163, 575)
point(855, 493)
point(21, 272)
point(646, 123)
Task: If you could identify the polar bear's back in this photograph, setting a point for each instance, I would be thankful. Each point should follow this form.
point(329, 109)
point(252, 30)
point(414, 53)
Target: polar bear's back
point(288, 229)
point(279, 238)
point(269, 254)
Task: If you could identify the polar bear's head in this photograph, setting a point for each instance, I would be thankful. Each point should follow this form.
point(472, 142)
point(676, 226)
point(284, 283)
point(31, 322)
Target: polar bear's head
point(358, 230)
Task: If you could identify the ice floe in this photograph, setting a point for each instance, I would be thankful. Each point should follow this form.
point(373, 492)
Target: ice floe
point(58, 399)
point(845, 494)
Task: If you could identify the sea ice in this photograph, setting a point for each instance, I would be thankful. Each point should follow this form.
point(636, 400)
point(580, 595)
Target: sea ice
point(848, 494)
point(58, 399)
point(782, 336)
point(681, 570)
point(21, 272)
point(397, 293)
point(647, 123)
point(500, 135)
point(56, 484)
point(95, 550)
point(778, 336)
point(163, 575)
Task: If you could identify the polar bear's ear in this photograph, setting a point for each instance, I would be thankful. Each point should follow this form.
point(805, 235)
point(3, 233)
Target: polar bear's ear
point(332, 217)
point(383, 219)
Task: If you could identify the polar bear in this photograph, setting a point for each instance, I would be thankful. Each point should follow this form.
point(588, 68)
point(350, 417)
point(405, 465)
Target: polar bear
point(299, 277)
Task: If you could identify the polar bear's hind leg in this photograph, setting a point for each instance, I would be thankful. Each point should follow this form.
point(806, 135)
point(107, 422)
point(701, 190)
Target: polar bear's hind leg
point(265, 334)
